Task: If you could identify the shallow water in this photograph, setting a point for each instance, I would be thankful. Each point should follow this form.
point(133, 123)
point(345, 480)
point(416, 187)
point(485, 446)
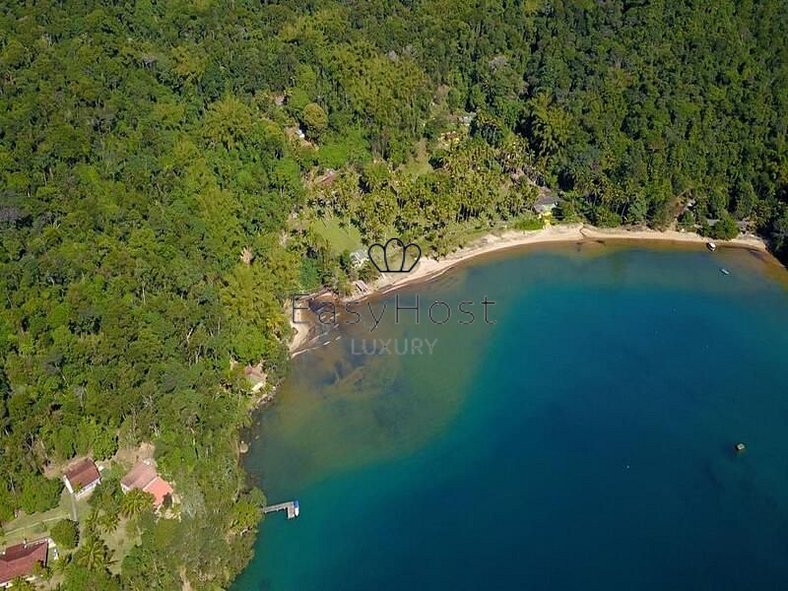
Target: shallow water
point(582, 440)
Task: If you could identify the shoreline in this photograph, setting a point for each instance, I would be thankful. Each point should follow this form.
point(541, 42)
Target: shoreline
point(301, 333)
point(429, 268)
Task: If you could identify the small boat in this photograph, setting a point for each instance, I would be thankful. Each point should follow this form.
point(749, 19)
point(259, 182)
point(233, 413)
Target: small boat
point(711, 246)
point(725, 271)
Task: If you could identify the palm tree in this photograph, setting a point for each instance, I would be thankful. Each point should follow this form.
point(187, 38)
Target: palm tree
point(108, 522)
point(135, 503)
point(93, 554)
point(20, 584)
point(551, 126)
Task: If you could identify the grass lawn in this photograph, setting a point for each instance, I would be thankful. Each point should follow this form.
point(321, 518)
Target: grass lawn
point(36, 525)
point(419, 164)
point(461, 235)
point(120, 542)
point(339, 238)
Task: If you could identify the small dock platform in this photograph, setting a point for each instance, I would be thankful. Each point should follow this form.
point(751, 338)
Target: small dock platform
point(292, 507)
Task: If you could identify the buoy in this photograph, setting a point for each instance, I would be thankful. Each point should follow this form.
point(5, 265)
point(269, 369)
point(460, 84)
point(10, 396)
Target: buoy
point(740, 447)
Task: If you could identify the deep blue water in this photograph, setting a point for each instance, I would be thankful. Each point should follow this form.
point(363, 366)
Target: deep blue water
point(583, 441)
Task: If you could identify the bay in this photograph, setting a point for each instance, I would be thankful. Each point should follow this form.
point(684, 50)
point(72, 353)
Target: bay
point(582, 436)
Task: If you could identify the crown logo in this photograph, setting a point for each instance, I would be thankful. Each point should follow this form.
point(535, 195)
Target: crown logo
point(392, 257)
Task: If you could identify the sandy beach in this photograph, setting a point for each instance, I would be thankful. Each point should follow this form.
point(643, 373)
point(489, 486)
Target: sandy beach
point(301, 331)
point(429, 268)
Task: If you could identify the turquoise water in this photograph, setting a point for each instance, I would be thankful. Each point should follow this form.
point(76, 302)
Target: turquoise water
point(583, 441)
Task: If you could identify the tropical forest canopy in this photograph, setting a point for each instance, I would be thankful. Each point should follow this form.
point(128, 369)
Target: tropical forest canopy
point(162, 166)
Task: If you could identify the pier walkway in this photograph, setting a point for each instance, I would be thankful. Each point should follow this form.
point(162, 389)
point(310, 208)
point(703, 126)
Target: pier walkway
point(292, 507)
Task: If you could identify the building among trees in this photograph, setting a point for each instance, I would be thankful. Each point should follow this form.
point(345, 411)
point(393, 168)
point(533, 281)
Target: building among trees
point(256, 377)
point(143, 476)
point(545, 204)
point(22, 561)
point(81, 478)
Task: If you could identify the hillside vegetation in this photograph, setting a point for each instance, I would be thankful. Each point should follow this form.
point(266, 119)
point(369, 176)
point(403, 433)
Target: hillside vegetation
point(163, 168)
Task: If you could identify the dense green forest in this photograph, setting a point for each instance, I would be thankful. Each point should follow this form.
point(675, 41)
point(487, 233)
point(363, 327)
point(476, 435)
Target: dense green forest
point(161, 165)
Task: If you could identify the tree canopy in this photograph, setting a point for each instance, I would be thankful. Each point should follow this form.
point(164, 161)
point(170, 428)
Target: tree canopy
point(155, 198)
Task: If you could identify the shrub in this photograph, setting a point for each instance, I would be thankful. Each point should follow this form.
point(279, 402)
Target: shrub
point(725, 228)
point(529, 223)
point(65, 534)
point(315, 120)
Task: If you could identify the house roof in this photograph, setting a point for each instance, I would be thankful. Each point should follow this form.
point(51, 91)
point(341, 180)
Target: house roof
point(82, 474)
point(19, 561)
point(547, 199)
point(159, 488)
point(256, 377)
point(145, 477)
point(327, 178)
point(140, 476)
point(253, 372)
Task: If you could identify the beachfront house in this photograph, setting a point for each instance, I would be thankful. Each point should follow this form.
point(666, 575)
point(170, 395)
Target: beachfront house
point(81, 478)
point(545, 204)
point(360, 288)
point(22, 561)
point(145, 477)
point(255, 376)
point(358, 257)
point(327, 179)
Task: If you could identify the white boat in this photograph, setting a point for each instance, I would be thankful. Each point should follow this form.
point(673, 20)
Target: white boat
point(711, 246)
point(725, 271)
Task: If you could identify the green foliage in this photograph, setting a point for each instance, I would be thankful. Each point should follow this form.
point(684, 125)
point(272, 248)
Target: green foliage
point(147, 235)
point(135, 168)
point(107, 523)
point(724, 229)
point(135, 503)
point(779, 231)
point(78, 578)
point(93, 554)
point(65, 534)
point(686, 220)
point(368, 272)
point(340, 150)
point(490, 129)
point(297, 100)
point(107, 496)
point(315, 120)
point(528, 223)
point(21, 584)
point(38, 493)
point(605, 218)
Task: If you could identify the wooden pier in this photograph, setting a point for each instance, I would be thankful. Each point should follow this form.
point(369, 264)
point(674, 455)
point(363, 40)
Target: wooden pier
point(292, 507)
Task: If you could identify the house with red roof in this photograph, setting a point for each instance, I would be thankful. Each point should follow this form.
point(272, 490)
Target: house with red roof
point(81, 478)
point(256, 377)
point(20, 561)
point(145, 477)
